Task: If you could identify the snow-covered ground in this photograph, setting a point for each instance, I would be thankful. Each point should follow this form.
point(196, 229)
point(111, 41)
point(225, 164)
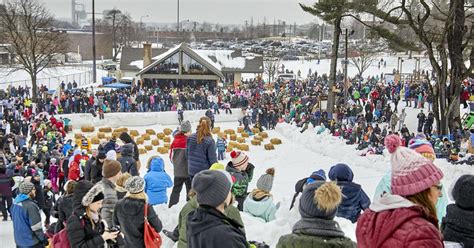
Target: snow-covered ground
point(298, 156)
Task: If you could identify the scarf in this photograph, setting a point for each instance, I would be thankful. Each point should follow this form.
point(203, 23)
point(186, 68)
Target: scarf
point(258, 194)
point(318, 227)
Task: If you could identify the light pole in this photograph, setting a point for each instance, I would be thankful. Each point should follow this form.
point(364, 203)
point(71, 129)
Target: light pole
point(177, 21)
point(94, 64)
point(141, 24)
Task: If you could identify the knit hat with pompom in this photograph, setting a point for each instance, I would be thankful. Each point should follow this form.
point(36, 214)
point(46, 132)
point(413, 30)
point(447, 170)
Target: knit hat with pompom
point(320, 200)
point(265, 182)
point(411, 172)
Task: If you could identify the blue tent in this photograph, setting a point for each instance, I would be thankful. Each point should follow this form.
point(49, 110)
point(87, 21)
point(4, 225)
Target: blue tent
point(108, 80)
point(117, 86)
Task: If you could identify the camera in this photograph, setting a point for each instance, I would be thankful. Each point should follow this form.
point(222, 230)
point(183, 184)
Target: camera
point(114, 229)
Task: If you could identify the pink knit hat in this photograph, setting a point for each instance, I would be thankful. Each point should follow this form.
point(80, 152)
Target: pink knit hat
point(411, 172)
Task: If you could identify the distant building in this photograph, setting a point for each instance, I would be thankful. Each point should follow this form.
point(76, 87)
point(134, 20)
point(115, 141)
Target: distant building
point(5, 56)
point(81, 42)
point(184, 65)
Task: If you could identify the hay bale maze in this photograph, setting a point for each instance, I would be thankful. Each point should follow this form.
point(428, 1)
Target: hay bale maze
point(275, 141)
point(150, 132)
point(167, 131)
point(155, 142)
point(134, 133)
point(87, 129)
point(269, 146)
point(216, 130)
point(162, 150)
point(255, 142)
point(105, 129)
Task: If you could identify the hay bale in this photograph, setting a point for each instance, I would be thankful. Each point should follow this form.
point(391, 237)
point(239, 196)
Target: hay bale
point(160, 136)
point(233, 137)
point(243, 147)
point(257, 137)
point(229, 149)
point(167, 139)
point(275, 141)
point(134, 133)
point(155, 142)
point(240, 129)
point(216, 130)
point(146, 136)
point(78, 142)
point(269, 147)
point(142, 150)
point(255, 142)
point(105, 129)
point(241, 140)
point(255, 130)
point(263, 135)
point(163, 150)
point(167, 145)
point(223, 135)
point(140, 141)
point(100, 135)
point(78, 136)
point(108, 137)
point(245, 134)
point(116, 134)
point(121, 130)
point(95, 141)
point(87, 129)
point(150, 131)
point(149, 147)
point(229, 131)
point(167, 131)
point(232, 144)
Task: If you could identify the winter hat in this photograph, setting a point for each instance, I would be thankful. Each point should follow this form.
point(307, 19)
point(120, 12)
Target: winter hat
point(319, 175)
point(26, 187)
point(265, 182)
point(423, 147)
point(185, 127)
point(217, 166)
point(320, 200)
point(135, 185)
point(341, 172)
point(111, 168)
point(411, 172)
point(52, 161)
point(238, 158)
point(46, 182)
point(94, 194)
point(44, 148)
point(111, 155)
point(101, 155)
point(212, 187)
point(463, 192)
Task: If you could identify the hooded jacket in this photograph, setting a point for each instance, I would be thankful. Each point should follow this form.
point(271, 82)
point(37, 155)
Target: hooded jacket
point(125, 137)
point(64, 206)
point(127, 161)
point(96, 171)
point(74, 170)
point(207, 227)
point(129, 214)
point(354, 199)
point(200, 156)
point(264, 208)
point(241, 178)
point(26, 218)
point(156, 182)
point(6, 184)
point(178, 156)
point(394, 221)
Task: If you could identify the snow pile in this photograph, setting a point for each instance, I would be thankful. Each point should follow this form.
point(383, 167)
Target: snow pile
point(224, 58)
point(137, 63)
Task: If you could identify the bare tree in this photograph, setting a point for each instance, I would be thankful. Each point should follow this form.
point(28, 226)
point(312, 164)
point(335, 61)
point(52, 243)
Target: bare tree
point(271, 64)
point(27, 26)
point(120, 25)
point(364, 57)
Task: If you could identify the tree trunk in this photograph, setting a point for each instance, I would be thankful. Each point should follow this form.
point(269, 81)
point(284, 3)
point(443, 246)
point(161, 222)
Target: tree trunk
point(34, 87)
point(332, 72)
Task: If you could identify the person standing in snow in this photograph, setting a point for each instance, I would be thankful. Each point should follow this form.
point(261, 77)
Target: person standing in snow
point(127, 161)
point(421, 120)
point(125, 138)
point(221, 145)
point(354, 199)
point(317, 228)
point(180, 163)
point(401, 120)
point(259, 202)
point(111, 171)
point(240, 169)
point(407, 217)
point(157, 181)
point(6, 184)
point(201, 148)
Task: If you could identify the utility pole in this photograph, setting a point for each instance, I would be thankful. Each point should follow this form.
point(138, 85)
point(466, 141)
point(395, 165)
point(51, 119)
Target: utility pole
point(345, 70)
point(177, 20)
point(94, 63)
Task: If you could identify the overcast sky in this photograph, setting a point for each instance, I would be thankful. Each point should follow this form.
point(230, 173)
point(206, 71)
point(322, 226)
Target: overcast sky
point(215, 11)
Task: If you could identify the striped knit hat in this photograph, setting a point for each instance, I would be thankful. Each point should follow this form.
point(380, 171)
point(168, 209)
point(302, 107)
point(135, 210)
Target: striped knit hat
point(239, 159)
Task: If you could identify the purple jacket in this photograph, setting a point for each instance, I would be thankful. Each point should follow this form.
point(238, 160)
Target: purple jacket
point(6, 184)
point(53, 175)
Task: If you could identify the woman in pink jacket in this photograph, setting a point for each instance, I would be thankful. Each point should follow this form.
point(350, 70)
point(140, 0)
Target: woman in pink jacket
point(407, 218)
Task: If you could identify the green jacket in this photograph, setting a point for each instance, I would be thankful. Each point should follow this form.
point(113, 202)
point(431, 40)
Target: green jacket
point(231, 212)
point(301, 240)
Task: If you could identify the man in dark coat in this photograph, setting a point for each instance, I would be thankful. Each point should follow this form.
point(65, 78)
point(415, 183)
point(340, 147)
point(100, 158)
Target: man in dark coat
point(136, 153)
point(127, 161)
point(96, 168)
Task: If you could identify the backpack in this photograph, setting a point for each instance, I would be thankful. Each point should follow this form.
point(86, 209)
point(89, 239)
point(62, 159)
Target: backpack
point(61, 240)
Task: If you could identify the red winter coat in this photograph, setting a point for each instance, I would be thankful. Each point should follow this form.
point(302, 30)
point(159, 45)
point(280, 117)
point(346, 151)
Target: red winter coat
point(465, 95)
point(179, 141)
point(74, 170)
point(401, 227)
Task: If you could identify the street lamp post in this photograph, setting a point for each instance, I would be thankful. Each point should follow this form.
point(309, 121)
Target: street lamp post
point(94, 64)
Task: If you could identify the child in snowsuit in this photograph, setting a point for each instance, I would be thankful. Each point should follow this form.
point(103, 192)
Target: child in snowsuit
point(242, 171)
point(221, 145)
point(259, 202)
point(157, 181)
point(354, 199)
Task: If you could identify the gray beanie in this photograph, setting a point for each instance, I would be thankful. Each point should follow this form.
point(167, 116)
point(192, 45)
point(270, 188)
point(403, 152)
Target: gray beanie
point(185, 127)
point(212, 187)
point(26, 188)
point(265, 182)
point(320, 200)
point(135, 185)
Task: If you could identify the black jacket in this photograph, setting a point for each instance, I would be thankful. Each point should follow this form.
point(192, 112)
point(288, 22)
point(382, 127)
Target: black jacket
point(81, 234)
point(129, 215)
point(128, 140)
point(127, 161)
point(96, 171)
point(64, 206)
point(87, 171)
point(209, 228)
point(39, 197)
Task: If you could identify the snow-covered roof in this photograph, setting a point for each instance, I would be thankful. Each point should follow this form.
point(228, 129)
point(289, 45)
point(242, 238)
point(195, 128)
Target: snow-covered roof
point(224, 58)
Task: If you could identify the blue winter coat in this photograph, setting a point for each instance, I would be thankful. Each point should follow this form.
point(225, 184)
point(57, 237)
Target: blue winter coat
point(66, 148)
point(264, 209)
point(384, 186)
point(26, 217)
point(221, 144)
point(156, 182)
point(354, 199)
point(200, 156)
